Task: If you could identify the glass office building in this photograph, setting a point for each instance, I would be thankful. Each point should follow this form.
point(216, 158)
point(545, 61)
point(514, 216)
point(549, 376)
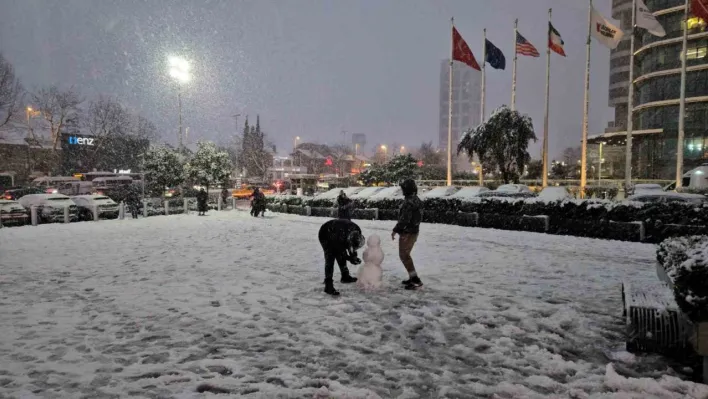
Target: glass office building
point(657, 79)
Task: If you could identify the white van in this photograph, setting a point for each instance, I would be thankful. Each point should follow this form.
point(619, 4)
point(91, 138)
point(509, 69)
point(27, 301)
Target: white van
point(51, 184)
point(695, 178)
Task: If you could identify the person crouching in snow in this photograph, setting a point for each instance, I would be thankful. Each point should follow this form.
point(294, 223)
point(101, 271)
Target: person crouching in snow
point(407, 228)
point(340, 240)
point(370, 273)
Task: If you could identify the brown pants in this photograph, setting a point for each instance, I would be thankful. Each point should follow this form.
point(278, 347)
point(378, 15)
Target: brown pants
point(405, 246)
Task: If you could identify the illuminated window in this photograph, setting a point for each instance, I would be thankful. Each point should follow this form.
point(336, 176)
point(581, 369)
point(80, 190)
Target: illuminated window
point(696, 23)
point(697, 50)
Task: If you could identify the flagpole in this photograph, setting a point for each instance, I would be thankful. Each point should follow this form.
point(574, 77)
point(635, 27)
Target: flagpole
point(513, 69)
point(630, 103)
point(449, 111)
point(584, 146)
point(484, 62)
point(545, 117)
point(682, 104)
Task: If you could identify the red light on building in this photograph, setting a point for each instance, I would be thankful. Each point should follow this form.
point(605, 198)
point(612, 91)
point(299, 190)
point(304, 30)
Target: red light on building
point(420, 164)
point(329, 162)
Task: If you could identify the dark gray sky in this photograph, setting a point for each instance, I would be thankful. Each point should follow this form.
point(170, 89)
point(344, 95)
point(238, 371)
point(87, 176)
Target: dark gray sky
point(309, 67)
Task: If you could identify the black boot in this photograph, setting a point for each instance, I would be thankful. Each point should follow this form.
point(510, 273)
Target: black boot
point(329, 288)
point(347, 279)
point(414, 283)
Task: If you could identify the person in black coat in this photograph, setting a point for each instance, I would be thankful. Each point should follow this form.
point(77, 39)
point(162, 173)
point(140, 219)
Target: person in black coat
point(340, 239)
point(344, 206)
point(202, 199)
point(258, 205)
point(132, 200)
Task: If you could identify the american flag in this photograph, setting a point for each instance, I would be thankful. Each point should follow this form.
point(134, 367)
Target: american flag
point(523, 46)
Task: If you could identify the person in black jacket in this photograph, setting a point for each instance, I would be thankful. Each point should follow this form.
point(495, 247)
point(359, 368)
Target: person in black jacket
point(340, 240)
point(407, 228)
point(132, 199)
point(202, 199)
point(344, 206)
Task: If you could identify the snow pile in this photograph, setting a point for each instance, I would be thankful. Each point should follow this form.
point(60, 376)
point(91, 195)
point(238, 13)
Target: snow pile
point(193, 307)
point(685, 261)
point(664, 387)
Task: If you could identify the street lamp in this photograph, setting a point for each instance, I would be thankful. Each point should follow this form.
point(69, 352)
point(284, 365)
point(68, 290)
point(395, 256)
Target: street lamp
point(385, 151)
point(403, 148)
point(295, 142)
point(179, 71)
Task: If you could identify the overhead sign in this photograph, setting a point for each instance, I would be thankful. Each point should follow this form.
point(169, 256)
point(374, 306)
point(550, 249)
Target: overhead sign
point(75, 140)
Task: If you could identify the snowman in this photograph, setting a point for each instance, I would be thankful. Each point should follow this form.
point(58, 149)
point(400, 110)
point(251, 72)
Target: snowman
point(370, 272)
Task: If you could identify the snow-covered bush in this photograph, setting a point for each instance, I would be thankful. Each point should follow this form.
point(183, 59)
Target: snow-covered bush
point(685, 260)
point(209, 166)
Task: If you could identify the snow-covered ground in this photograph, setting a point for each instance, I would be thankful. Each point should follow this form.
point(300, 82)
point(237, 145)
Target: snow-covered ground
point(174, 306)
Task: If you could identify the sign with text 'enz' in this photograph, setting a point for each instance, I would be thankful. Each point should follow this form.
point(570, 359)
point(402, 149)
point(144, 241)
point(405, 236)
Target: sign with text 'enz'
point(80, 140)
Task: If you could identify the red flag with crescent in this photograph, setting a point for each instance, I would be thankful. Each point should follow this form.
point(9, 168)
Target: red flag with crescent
point(461, 51)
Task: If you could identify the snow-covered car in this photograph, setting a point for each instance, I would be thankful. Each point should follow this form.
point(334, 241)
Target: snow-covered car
point(11, 213)
point(388, 193)
point(646, 189)
point(107, 208)
point(554, 193)
point(329, 194)
point(658, 197)
point(439, 192)
point(469, 192)
point(366, 192)
point(509, 190)
point(50, 207)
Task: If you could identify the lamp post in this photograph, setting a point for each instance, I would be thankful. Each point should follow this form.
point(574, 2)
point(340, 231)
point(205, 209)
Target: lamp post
point(403, 148)
point(179, 71)
point(385, 151)
point(295, 142)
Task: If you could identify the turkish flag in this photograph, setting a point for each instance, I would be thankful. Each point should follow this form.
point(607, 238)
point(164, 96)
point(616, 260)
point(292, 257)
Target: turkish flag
point(699, 8)
point(461, 51)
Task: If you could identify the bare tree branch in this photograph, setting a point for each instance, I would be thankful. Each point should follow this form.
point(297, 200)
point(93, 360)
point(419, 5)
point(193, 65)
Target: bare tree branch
point(57, 107)
point(11, 92)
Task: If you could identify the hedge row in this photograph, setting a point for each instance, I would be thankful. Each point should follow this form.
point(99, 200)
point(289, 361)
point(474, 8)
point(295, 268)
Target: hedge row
point(586, 218)
point(685, 260)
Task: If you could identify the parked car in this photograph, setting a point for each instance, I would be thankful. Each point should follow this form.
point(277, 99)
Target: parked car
point(50, 207)
point(16, 193)
point(646, 188)
point(668, 197)
point(107, 208)
point(439, 192)
point(469, 192)
point(366, 192)
point(510, 191)
point(554, 193)
point(12, 213)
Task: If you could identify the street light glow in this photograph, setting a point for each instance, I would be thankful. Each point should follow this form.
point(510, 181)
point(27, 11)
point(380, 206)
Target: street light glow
point(383, 147)
point(179, 69)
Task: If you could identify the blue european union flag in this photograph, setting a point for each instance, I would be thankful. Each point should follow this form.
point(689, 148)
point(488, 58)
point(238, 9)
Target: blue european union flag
point(494, 56)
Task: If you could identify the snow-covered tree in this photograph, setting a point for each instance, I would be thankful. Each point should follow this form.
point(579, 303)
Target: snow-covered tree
point(400, 168)
point(10, 92)
point(209, 166)
point(163, 167)
point(501, 143)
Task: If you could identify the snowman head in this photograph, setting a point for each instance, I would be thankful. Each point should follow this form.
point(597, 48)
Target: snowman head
point(373, 241)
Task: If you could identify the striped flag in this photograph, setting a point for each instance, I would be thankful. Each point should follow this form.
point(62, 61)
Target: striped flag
point(523, 47)
point(555, 42)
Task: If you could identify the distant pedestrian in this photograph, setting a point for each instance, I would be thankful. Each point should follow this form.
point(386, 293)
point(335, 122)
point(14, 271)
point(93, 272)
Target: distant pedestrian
point(407, 228)
point(202, 199)
point(224, 197)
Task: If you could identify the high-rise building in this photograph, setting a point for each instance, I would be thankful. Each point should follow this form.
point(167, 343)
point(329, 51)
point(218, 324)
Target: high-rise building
point(657, 85)
point(465, 101)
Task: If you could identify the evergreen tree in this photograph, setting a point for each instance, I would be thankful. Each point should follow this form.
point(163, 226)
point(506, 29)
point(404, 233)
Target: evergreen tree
point(501, 143)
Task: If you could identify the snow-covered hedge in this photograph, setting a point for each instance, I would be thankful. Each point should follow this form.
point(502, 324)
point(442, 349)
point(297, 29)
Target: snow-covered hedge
point(585, 218)
point(685, 260)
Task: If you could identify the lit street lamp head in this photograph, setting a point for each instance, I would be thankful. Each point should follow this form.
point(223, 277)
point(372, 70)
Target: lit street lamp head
point(179, 69)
